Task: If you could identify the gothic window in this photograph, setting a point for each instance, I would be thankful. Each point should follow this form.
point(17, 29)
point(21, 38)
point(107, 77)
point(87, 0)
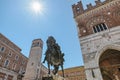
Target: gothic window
point(94, 28)
point(99, 27)
point(2, 49)
point(6, 63)
point(16, 57)
point(104, 26)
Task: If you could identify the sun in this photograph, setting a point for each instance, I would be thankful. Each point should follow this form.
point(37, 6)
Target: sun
point(37, 7)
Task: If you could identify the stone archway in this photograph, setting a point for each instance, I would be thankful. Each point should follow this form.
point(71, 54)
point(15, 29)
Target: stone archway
point(109, 63)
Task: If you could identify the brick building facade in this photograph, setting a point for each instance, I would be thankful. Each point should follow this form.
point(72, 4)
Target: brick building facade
point(74, 73)
point(106, 12)
point(12, 61)
point(99, 34)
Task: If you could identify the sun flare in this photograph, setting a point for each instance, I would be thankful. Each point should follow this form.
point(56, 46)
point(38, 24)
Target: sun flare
point(37, 7)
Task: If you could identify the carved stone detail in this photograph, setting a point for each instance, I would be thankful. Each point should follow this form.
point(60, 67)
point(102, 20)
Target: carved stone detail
point(88, 57)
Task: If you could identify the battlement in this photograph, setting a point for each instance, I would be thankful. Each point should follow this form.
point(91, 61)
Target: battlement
point(78, 8)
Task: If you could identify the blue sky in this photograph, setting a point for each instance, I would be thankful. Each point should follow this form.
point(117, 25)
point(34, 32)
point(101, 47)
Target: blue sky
point(21, 25)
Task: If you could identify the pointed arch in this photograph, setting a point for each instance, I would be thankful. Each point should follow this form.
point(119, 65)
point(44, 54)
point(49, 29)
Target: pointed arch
point(103, 49)
point(107, 59)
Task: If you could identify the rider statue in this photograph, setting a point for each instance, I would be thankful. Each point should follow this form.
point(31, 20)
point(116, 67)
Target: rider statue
point(53, 55)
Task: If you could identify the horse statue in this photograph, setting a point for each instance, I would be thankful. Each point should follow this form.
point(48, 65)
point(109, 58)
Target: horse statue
point(53, 56)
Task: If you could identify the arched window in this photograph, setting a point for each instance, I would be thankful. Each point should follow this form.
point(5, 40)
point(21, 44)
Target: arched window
point(2, 49)
point(6, 63)
point(100, 27)
point(16, 57)
point(10, 54)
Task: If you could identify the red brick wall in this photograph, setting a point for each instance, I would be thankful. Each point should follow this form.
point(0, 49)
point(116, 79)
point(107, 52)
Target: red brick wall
point(106, 12)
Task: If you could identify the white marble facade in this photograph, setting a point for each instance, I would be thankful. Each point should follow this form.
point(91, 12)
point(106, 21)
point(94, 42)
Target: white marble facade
point(94, 45)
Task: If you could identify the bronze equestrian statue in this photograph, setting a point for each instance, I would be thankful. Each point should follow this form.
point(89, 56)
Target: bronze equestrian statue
point(53, 56)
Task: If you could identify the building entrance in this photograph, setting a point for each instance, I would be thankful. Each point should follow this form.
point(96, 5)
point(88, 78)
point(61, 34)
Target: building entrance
point(110, 64)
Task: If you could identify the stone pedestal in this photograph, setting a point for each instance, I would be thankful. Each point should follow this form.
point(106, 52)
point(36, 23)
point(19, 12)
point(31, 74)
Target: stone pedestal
point(57, 77)
point(52, 77)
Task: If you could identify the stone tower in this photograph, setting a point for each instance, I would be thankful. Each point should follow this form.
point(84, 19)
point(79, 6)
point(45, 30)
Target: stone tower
point(99, 34)
point(33, 65)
